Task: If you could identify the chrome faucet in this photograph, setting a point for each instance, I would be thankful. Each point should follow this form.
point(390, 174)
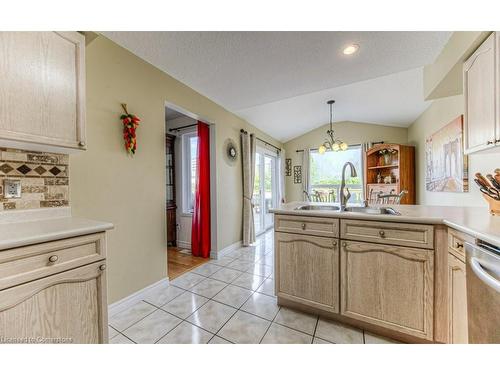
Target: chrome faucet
point(343, 197)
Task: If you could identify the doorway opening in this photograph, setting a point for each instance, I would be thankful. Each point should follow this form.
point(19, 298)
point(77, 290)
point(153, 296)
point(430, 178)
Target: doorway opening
point(266, 187)
point(182, 174)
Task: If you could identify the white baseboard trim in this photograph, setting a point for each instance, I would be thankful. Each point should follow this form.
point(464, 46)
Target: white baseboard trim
point(130, 300)
point(229, 248)
point(184, 244)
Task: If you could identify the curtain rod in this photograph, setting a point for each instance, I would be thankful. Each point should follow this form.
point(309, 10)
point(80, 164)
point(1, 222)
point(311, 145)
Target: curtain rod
point(267, 143)
point(182, 127)
point(352, 145)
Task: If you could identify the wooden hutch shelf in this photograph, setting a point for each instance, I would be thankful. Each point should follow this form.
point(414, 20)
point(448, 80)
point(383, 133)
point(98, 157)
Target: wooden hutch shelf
point(399, 166)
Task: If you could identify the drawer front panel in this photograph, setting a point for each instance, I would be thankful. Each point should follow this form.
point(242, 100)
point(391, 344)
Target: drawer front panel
point(28, 263)
point(413, 235)
point(456, 243)
point(316, 226)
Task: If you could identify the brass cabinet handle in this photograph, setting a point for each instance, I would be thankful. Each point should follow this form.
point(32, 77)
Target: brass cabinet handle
point(334, 243)
point(303, 225)
point(381, 233)
point(458, 245)
point(490, 142)
point(53, 258)
point(497, 141)
point(344, 244)
point(102, 267)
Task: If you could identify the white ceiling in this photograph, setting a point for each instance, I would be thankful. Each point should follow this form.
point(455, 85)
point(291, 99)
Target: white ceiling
point(252, 73)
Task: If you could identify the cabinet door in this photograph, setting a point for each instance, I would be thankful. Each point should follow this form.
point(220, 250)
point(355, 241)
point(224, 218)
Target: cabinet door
point(479, 92)
point(307, 270)
point(69, 307)
point(389, 286)
point(42, 89)
point(457, 301)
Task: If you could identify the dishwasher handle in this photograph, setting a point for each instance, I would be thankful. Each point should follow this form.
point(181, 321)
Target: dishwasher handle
point(484, 276)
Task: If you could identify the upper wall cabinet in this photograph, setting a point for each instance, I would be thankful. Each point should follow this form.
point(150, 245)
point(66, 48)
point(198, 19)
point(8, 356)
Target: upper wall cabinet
point(42, 91)
point(482, 103)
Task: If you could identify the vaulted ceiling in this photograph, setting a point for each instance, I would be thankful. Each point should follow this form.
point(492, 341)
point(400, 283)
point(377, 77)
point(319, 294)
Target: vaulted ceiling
point(280, 81)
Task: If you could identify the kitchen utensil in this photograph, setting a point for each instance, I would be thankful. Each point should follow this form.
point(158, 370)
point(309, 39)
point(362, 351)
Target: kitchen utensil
point(490, 193)
point(484, 180)
point(495, 183)
point(481, 184)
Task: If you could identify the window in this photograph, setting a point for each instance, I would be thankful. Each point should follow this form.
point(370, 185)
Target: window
point(189, 170)
point(326, 175)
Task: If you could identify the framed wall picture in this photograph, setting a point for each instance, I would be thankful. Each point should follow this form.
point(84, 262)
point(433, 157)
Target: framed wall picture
point(297, 174)
point(288, 167)
point(446, 165)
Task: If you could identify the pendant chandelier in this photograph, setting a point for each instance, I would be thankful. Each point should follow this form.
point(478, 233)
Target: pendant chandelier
point(332, 144)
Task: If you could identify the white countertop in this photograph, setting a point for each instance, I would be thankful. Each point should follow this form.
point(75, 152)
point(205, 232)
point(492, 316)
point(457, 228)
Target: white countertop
point(475, 221)
point(22, 233)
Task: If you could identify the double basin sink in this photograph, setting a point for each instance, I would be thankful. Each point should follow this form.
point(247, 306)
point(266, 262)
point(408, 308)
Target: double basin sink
point(361, 210)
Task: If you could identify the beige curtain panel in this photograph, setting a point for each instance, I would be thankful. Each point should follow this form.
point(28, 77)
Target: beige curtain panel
point(248, 160)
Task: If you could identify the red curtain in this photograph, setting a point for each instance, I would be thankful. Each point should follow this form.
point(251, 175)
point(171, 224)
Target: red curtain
point(200, 233)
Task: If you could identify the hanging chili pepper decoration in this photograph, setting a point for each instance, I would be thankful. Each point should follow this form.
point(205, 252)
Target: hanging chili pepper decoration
point(130, 124)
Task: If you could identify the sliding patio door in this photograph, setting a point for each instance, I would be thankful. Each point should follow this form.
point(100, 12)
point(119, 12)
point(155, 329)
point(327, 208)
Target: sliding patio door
point(265, 192)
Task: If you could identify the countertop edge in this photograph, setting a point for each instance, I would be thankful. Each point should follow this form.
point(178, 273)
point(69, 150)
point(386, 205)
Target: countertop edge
point(88, 227)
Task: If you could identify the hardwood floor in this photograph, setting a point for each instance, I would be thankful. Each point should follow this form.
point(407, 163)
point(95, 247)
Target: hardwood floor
point(180, 263)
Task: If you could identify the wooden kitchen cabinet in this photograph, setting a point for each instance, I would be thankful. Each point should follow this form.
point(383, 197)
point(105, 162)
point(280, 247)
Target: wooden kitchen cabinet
point(457, 301)
point(482, 104)
point(389, 286)
point(307, 270)
point(42, 91)
point(55, 292)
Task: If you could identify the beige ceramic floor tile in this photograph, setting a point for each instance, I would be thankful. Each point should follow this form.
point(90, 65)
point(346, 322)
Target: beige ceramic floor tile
point(233, 295)
point(209, 287)
point(267, 287)
point(152, 328)
point(371, 338)
point(260, 270)
point(185, 304)
point(133, 314)
point(297, 320)
point(112, 332)
point(188, 280)
point(317, 340)
point(244, 328)
point(161, 295)
point(278, 334)
point(120, 339)
point(240, 265)
point(226, 274)
point(219, 340)
point(338, 333)
point(249, 281)
point(261, 305)
point(206, 269)
point(186, 333)
point(211, 316)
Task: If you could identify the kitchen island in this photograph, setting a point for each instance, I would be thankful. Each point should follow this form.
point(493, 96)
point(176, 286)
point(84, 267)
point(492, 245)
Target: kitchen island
point(392, 274)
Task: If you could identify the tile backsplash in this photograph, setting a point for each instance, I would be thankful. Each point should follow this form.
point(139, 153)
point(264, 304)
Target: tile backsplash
point(44, 179)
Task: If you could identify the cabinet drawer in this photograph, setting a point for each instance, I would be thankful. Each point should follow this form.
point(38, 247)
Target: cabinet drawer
point(414, 235)
point(456, 243)
point(29, 263)
point(316, 226)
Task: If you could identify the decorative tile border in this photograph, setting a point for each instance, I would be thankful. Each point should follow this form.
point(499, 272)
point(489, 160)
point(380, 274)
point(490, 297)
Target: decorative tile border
point(44, 179)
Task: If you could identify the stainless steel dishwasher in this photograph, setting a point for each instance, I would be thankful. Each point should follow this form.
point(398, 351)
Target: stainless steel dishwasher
point(483, 292)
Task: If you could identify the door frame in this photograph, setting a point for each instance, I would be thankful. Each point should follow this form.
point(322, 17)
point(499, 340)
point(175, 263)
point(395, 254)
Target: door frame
point(264, 151)
point(213, 176)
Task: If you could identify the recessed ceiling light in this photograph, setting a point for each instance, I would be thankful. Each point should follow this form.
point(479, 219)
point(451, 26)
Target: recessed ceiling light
point(350, 49)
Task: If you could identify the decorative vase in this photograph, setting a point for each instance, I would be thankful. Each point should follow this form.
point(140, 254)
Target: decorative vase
point(387, 159)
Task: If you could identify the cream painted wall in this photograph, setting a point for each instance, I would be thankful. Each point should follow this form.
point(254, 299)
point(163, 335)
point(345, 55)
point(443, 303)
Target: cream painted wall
point(350, 132)
point(109, 185)
point(440, 113)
